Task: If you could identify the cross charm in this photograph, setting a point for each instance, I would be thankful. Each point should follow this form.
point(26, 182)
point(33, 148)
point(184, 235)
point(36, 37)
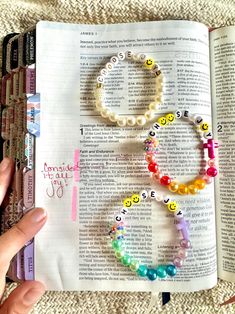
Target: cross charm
point(182, 226)
point(211, 145)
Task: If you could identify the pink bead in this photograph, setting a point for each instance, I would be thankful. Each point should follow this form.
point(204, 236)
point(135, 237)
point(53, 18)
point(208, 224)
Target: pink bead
point(182, 253)
point(212, 171)
point(211, 162)
point(150, 158)
point(178, 262)
point(207, 179)
point(186, 244)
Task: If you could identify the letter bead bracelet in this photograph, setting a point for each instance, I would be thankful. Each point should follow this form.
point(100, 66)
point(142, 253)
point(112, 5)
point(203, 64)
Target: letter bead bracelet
point(151, 148)
point(121, 120)
point(118, 233)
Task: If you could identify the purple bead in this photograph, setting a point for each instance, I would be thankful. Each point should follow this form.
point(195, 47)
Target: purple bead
point(178, 262)
point(186, 244)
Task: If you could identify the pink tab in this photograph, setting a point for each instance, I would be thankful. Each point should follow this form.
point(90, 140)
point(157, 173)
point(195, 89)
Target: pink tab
point(28, 189)
point(30, 80)
point(74, 203)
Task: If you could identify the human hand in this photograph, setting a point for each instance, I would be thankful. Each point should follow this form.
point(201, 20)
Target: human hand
point(23, 298)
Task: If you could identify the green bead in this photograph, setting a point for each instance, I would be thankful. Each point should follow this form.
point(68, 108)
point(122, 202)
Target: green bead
point(161, 271)
point(119, 254)
point(134, 265)
point(116, 244)
point(126, 260)
point(142, 270)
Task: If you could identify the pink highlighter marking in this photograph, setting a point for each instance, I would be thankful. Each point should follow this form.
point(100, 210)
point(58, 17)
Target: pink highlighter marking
point(74, 203)
point(76, 165)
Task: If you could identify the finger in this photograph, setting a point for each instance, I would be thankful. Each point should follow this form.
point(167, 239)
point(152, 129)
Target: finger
point(6, 172)
point(15, 238)
point(23, 298)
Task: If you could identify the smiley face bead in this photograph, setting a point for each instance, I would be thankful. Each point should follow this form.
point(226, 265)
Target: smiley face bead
point(148, 63)
point(136, 198)
point(162, 121)
point(127, 202)
point(170, 117)
point(204, 126)
point(172, 206)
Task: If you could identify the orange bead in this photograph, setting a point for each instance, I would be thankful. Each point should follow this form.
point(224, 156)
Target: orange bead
point(192, 189)
point(200, 184)
point(173, 186)
point(183, 189)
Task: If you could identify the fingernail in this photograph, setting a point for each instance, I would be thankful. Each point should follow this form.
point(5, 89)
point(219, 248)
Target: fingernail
point(32, 296)
point(38, 214)
point(5, 164)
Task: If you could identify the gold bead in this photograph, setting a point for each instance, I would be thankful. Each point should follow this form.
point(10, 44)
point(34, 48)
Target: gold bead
point(153, 106)
point(99, 85)
point(192, 189)
point(183, 189)
point(200, 184)
point(173, 186)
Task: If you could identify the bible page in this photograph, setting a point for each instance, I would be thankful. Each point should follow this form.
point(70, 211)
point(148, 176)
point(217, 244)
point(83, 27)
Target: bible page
point(86, 166)
point(222, 43)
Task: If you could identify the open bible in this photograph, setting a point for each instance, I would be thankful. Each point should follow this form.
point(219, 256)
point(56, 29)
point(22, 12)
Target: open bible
point(80, 167)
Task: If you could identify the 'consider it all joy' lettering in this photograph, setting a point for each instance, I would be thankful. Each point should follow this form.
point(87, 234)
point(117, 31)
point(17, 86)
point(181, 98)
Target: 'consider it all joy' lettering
point(58, 177)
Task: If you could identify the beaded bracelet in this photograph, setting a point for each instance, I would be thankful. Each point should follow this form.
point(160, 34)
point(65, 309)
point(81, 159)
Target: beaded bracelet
point(151, 65)
point(118, 232)
point(151, 147)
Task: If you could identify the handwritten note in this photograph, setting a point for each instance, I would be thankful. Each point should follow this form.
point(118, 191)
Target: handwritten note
point(58, 178)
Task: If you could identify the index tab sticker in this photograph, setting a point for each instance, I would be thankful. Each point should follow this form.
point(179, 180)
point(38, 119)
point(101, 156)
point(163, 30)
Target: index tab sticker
point(29, 150)
point(33, 115)
point(30, 82)
point(28, 194)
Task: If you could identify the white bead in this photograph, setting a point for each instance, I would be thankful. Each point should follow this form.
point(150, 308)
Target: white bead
point(159, 198)
point(104, 72)
point(144, 195)
point(178, 114)
point(114, 60)
point(129, 54)
point(208, 135)
point(141, 120)
point(124, 211)
point(119, 218)
point(121, 121)
point(198, 120)
point(99, 93)
point(100, 106)
point(152, 134)
point(179, 214)
point(109, 66)
point(153, 106)
point(131, 121)
point(186, 114)
point(152, 194)
point(105, 112)
point(113, 117)
point(121, 55)
point(159, 98)
point(149, 115)
point(142, 57)
point(156, 126)
point(166, 199)
point(100, 79)
point(135, 57)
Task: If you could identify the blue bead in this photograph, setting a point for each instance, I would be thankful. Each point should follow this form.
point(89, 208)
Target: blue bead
point(161, 271)
point(120, 228)
point(171, 270)
point(152, 274)
point(142, 270)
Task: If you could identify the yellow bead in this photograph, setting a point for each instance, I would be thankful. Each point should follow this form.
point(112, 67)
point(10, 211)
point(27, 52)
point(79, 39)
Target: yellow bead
point(173, 186)
point(170, 117)
point(162, 121)
point(183, 189)
point(99, 85)
point(192, 189)
point(127, 202)
point(200, 184)
point(135, 198)
point(172, 206)
point(204, 126)
point(148, 63)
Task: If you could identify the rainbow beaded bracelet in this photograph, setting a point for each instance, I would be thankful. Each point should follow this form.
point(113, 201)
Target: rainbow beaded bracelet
point(118, 233)
point(151, 147)
point(122, 121)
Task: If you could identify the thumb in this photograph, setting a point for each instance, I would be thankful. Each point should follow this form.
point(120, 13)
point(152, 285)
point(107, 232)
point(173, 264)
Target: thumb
point(23, 298)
